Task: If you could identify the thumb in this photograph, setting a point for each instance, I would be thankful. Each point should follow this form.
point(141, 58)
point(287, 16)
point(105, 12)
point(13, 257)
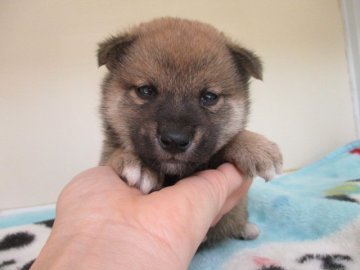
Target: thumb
point(205, 197)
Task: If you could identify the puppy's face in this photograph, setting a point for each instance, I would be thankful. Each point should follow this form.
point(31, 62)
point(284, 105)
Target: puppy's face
point(176, 92)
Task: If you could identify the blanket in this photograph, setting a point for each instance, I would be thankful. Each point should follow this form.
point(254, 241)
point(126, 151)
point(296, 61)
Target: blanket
point(310, 219)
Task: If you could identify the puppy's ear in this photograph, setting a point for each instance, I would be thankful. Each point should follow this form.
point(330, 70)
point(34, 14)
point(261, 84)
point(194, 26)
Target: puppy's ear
point(111, 50)
point(246, 61)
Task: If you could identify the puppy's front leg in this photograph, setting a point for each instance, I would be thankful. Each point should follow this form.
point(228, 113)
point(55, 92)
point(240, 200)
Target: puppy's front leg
point(254, 154)
point(131, 169)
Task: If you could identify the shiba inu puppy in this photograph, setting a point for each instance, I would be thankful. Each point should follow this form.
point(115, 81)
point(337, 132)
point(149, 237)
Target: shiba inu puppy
point(175, 101)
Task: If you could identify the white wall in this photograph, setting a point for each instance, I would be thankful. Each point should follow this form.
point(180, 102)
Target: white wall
point(49, 82)
point(351, 17)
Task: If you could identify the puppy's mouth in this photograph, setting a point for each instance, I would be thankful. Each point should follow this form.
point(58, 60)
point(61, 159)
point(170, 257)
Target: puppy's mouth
point(172, 166)
point(176, 166)
point(172, 161)
point(175, 169)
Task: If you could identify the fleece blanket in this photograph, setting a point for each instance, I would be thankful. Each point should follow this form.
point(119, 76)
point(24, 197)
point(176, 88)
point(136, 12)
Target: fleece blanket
point(310, 220)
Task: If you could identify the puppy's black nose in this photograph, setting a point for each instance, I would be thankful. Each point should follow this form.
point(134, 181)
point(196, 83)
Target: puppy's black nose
point(175, 142)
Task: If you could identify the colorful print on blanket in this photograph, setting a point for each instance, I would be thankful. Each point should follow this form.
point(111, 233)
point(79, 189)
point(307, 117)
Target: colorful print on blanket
point(310, 220)
point(20, 245)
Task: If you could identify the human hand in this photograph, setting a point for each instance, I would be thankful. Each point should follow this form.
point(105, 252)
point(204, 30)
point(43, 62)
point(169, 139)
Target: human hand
point(101, 223)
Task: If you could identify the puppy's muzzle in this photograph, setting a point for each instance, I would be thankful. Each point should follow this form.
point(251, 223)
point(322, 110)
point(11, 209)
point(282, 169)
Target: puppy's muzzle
point(175, 141)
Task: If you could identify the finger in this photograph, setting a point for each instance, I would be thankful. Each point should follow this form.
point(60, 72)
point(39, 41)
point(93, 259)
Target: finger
point(97, 180)
point(234, 199)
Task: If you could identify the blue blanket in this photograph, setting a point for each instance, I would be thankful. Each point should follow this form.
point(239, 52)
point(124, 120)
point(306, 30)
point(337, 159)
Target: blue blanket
point(310, 219)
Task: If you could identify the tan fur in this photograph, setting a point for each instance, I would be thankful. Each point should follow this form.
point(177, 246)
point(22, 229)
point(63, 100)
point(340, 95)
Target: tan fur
point(181, 60)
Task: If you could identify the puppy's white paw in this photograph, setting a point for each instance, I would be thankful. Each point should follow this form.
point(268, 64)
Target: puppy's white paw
point(266, 160)
point(131, 170)
point(255, 155)
point(250, 231)
point(139, 177)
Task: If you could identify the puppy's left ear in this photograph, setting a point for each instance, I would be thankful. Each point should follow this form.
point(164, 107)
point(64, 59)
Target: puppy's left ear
point(246, 61)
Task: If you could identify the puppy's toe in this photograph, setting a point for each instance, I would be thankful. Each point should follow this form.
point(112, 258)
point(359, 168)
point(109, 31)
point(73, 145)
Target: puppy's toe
point(268, 172)
point(132, 174)
point(148, 181)
point(250, 232)
point(269, 167)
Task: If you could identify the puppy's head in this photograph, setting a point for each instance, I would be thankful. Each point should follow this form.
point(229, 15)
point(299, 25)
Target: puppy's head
point(176, 92)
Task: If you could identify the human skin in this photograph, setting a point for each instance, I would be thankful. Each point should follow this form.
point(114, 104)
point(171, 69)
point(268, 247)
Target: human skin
point(102, 223)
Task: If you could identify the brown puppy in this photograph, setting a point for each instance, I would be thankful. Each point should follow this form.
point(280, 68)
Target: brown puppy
point(175, 101)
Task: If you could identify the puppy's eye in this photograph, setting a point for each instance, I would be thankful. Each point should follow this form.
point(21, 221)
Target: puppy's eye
point(208, 98)
point(146, 91)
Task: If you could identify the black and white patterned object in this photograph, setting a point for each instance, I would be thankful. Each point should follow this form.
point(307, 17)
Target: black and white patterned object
point(19, 246)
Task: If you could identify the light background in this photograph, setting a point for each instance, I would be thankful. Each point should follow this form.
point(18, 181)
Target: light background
point(49, 81)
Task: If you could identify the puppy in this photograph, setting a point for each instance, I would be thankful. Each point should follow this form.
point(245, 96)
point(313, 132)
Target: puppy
point(175, 101)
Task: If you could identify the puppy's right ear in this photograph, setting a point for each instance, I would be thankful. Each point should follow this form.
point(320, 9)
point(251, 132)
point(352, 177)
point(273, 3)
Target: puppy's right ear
point(111, 50)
